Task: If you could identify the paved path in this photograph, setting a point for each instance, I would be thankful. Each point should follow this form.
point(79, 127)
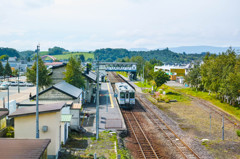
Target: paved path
point(110, 116)
point(23, 95)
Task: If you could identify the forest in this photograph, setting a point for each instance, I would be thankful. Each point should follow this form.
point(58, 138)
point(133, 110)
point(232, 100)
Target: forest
point(9, 51)
point(166, 55)
point(219, 75)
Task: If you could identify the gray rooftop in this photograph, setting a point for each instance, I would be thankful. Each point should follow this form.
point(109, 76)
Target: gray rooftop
point(42, 109)
point(68, 88)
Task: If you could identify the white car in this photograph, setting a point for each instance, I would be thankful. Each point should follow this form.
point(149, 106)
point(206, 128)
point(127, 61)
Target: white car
point(29, 84)
point(14, 83)
point(3, 86)
point(22, 84)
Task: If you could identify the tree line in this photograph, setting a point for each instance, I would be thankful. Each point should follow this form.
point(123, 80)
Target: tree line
point(165, 55)
point(218, 74)
point(9, 52)
point(73, 73)
point(5, 71)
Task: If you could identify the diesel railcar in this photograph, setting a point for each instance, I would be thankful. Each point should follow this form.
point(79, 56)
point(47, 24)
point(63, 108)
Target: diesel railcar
point(125, 95)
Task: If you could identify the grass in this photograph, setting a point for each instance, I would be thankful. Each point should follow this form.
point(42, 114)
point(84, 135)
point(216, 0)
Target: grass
point(143, 85)
point(104, 147)
point(67, 55)
point(233, 110)
point(125, 74)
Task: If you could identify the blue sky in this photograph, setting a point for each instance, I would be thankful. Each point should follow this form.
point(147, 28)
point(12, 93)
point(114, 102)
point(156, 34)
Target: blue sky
point(93, 24)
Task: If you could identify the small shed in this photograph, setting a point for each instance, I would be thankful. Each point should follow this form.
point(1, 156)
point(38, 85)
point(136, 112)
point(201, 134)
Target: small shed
point(50, 126)
point(24, 148)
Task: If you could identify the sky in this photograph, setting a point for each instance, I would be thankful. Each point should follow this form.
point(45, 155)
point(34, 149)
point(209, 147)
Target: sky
point(94, 24)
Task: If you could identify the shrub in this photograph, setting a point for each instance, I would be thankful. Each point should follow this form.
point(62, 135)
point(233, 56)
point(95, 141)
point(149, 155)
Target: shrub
point(238, 133)
point(167, 100)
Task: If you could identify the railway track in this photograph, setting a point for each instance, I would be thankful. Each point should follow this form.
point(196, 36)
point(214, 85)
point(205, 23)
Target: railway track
point(183, 149)
point(148, 147)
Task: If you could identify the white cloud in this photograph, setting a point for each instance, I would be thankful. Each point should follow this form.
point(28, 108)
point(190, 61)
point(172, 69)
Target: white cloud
point(92, 24)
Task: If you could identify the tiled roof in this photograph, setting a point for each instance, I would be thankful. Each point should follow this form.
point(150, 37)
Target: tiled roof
point(23, 148)
point(42, 109)
point(65, 88)
point(68, 88)
point(66, 117)
point(3, 112)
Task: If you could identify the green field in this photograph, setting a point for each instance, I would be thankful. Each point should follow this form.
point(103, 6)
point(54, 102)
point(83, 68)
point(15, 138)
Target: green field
point(67, 55)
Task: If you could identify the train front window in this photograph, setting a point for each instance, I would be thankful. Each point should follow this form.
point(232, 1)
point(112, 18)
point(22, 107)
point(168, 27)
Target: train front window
point(127, 95)
point(132, 95)
point(122, 95)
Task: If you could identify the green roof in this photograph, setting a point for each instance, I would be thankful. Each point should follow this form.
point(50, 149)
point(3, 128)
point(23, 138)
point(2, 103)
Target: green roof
point(66, 117)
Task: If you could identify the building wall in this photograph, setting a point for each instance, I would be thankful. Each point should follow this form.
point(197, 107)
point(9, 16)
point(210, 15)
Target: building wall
point(54, 94)
point(25, 127)
point(58, 75)
point(75, 117)
point(180, 72)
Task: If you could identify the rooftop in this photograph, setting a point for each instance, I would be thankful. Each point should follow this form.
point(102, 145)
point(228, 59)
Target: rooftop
point(23, 148)
point(64, 87)
point(42, 109)
point(3, 112)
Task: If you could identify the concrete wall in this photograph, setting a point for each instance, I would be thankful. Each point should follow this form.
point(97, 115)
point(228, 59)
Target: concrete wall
point(54, 94)
point(25, 127)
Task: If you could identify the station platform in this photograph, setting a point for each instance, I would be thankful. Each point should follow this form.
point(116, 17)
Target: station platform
point(110, 116)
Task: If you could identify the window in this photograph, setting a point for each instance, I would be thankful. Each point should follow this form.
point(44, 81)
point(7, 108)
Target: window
point(122, 95)
point(126, 95)
point(132, 95)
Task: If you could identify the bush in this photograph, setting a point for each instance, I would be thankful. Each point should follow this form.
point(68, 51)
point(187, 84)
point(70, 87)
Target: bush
point(167, 100)
point(238, 133)
point(10, 132)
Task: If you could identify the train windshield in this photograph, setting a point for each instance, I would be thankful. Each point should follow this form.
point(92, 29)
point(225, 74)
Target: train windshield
point(122, 95)
point(132, 95)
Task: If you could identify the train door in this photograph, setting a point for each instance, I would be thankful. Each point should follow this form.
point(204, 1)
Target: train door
point(127, 98)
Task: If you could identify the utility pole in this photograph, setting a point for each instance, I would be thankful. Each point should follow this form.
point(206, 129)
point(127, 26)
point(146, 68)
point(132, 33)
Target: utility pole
point(97, 103)
point(37, 114)
point(223, 127)
point(8, 97)
point(210, 116)
point(18, 78)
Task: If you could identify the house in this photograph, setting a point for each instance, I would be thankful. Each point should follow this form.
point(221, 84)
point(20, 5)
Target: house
point(3, 120)
point(57, 72)
point(66, 92)
point(61, 91)
point(173, 71)
point(24, 148)
point(50, 125)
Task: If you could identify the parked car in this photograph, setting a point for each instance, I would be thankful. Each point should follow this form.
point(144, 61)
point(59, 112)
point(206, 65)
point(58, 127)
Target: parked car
point(22, 84)
point(28, 84)
point(3, 86)
point(6, 83)
point(13, 83)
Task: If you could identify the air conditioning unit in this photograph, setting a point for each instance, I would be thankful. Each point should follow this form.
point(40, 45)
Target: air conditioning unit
point(44, 128)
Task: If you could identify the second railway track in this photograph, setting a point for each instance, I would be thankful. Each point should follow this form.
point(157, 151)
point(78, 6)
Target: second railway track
point(148, 146)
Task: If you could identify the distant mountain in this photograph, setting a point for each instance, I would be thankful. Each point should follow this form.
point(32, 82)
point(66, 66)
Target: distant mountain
point(200, 49)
